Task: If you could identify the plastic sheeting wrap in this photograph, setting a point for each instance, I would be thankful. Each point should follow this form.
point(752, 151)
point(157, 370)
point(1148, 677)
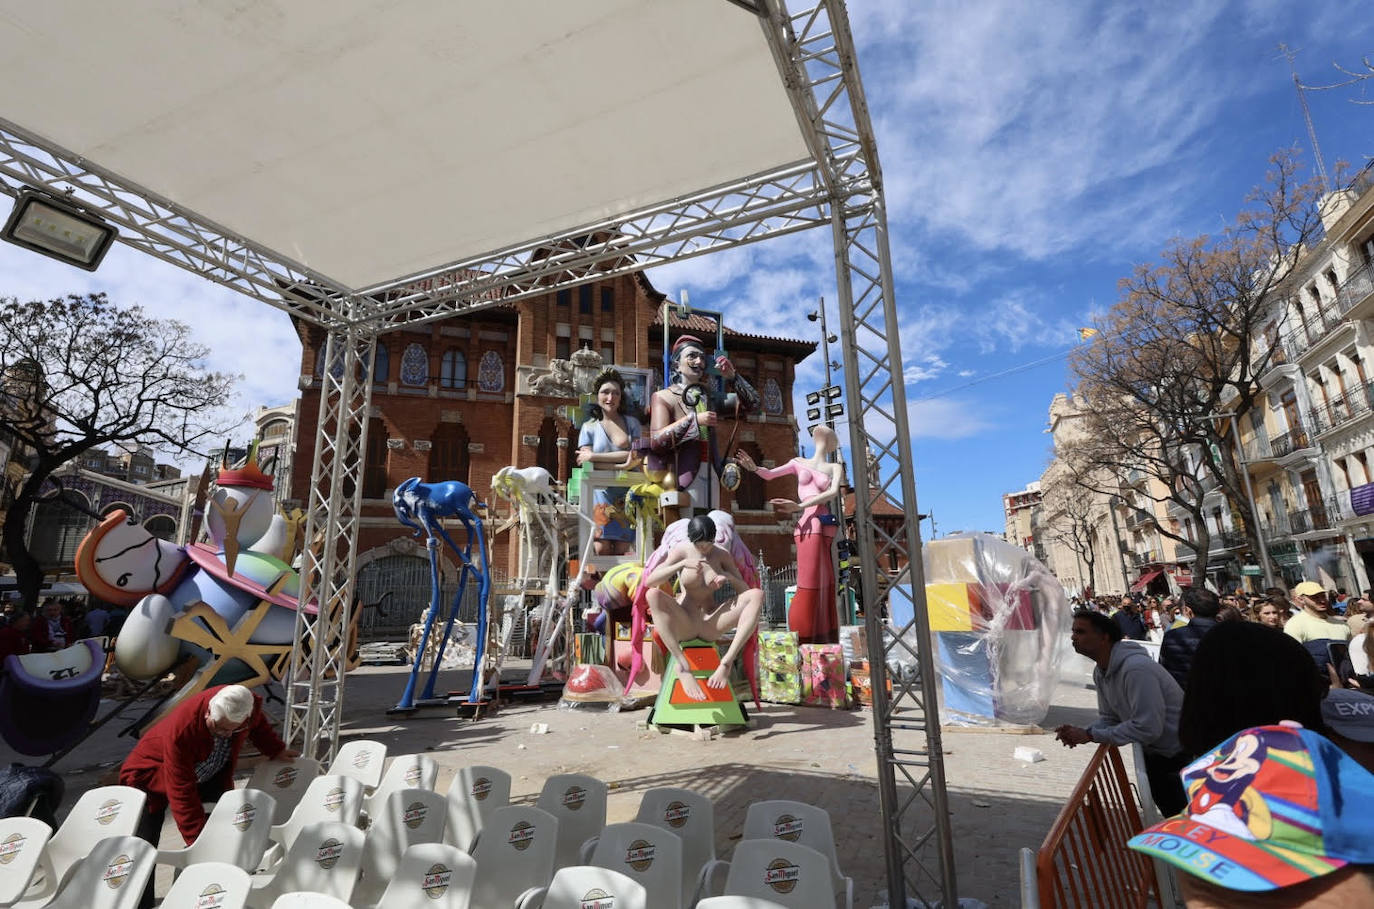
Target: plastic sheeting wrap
point(999, 624)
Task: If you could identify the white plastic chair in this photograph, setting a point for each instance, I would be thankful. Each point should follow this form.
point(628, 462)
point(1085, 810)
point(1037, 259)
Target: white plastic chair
point(691, 816)
point(411, 816)
point(361, 759)
point(220, 884)
point(236, 832)
point(515, 855)
point(431, 876)
point(473, 795)
point(738, 902)
point(789, 874)
point(110, 876)
point(329, 798)
point(649, 855)
point(21, 849)
point(285, 781)
point(102, 812)
point(578, 886)
point(324, 858)
point(302, 899)
point(578, 802)
point(808, 825)
point(405, 771)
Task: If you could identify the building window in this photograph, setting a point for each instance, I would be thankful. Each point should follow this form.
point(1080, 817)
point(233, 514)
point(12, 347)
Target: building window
point(607, 353)
point(607, 299)
point(414, 365)
point(584, 300)
point(546, 455)
point(750, 495)
point(448, 453)
point(381, 365)
point(374, 465)
point(491, 372)
point(562, 348)
point(564, 297)
point(453, 370)
point(772, 397)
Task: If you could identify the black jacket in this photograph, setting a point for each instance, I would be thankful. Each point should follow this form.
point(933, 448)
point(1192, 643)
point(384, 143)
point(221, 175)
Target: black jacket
point(1179, 644)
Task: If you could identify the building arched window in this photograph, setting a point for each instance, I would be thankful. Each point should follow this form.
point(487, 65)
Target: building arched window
point(58, 529)
point(546, 455)
point(750, 495)
point(374, 464)
point(161, 526)
point(381, 365)
point(453, 369)
point(448, 453)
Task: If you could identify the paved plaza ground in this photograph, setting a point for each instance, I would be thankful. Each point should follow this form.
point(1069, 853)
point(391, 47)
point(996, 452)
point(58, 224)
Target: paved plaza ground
point(825, 757)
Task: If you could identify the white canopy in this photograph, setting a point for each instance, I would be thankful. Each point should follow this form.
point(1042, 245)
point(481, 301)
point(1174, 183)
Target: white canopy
point(370, 140)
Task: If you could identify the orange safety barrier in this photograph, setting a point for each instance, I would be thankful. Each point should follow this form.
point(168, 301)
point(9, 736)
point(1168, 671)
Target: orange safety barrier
point(1084, 860)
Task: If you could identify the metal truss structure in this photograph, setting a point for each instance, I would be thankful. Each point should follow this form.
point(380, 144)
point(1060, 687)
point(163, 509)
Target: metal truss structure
point(840, 186)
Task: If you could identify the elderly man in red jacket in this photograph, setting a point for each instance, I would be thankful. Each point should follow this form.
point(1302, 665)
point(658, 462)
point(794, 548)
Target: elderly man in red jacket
point(189, 755)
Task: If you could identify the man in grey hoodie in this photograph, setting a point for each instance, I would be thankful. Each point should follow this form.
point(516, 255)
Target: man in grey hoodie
point(1137, 701)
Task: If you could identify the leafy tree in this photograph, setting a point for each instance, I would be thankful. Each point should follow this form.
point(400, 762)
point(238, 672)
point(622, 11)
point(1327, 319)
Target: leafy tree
point(1189, 337)
point(78, 373)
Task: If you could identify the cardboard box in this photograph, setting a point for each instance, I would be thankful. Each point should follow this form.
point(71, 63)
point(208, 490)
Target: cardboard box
point(779, 667)
point(823, 676)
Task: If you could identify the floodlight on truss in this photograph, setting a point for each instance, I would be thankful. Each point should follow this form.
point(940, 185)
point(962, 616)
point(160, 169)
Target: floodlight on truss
point(58, 229)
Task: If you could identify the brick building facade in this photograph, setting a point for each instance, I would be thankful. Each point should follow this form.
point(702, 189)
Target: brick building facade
point(457, 399)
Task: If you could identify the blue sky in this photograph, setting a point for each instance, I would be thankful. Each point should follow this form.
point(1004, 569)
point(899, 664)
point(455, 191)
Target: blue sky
point(1032, 153)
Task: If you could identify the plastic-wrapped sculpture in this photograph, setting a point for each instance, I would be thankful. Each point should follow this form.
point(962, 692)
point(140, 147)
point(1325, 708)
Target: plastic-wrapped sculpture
point(422, 507)
point(230, 603)
point(999, 622)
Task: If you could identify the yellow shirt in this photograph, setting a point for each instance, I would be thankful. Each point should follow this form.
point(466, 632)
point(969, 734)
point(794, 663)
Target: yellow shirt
point(1304, 627)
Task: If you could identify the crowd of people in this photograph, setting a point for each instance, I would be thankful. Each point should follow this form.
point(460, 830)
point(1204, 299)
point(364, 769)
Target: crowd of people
point(55, 624)
point(1257, 710)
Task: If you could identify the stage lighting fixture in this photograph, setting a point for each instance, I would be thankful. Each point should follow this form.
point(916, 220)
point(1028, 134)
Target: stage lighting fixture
point(58, 229)
point(833, 410)
point(813, 397)
point(832, 392)
point(813, 413)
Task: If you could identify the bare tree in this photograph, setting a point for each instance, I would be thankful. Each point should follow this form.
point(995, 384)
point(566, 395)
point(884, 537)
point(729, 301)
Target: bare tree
point(1070, 520)
point(1190, 335)
point(77, 373)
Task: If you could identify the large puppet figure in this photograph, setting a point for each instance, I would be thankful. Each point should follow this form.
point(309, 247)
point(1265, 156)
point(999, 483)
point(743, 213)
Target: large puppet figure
point(812, 614)
point(683, 416)
point(606, 442)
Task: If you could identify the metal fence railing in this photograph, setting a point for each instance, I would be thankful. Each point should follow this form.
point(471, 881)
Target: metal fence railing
point(775, 582)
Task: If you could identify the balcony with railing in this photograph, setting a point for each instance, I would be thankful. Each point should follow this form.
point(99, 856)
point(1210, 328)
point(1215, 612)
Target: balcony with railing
point(1137, 517)
point(1296, 439)
point(1357, 288)
point(1322, 516)
point(1141, 559)
point(1356, 403)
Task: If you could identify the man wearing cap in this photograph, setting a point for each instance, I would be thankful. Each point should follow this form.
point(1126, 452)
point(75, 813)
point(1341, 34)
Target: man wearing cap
point(1314, 621)
point(1137, 701)
point(1276, 816)
point(683, 416)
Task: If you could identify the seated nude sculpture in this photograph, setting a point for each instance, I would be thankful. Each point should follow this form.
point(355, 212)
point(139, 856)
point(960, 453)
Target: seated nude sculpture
point(701, 568)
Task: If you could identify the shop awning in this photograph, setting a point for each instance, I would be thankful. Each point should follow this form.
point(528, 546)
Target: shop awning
point(1145, 580)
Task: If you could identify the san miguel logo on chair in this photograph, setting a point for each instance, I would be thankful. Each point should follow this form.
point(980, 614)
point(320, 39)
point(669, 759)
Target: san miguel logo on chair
point(117, 872)
point(362, 759)
point(331, 850)
point(481, 788)
point(414, 814)
point(11, 847)
point(244, 817)
point(436, 881)
point(574, 798)
point(676, 814)
point(285, 777)
point(597, 899)
point(105, 815)
point(640, 855)
point(333, 799)
point(781, 875)
point(212, 897)
point(788, 828)
point(521, 835)
point(413, 776)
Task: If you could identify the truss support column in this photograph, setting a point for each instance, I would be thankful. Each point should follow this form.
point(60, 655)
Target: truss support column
point(314, 681)
point(915, 823)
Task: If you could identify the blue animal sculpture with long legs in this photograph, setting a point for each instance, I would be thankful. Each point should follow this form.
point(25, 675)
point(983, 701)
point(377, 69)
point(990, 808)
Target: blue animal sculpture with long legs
point(422, 507)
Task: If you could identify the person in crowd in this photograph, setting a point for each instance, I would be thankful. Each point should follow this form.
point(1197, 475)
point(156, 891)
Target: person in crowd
point(1314, 621)
point(1272, 611)
point(1276, 816)
point(1230, 613)
point(1176, 651)
point(606, 442)
point(1137, 701)
point(1349, 719)
point(1358, 669)
point(1357, 617)
point(188, 758)
point(51, 630)
point(1246, 674)
point(1130, 620)
point(15, 639)
point(96, 619)
point(1340, 601)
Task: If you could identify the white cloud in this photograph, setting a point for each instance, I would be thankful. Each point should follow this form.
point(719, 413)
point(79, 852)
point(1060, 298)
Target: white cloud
point(965, 373)
point(924, 369)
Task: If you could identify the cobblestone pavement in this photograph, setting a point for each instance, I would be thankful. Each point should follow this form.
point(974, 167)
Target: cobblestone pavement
point(998, 804)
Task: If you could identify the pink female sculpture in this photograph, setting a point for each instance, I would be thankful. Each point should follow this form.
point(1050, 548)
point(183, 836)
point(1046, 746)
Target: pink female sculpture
point(812, 615)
